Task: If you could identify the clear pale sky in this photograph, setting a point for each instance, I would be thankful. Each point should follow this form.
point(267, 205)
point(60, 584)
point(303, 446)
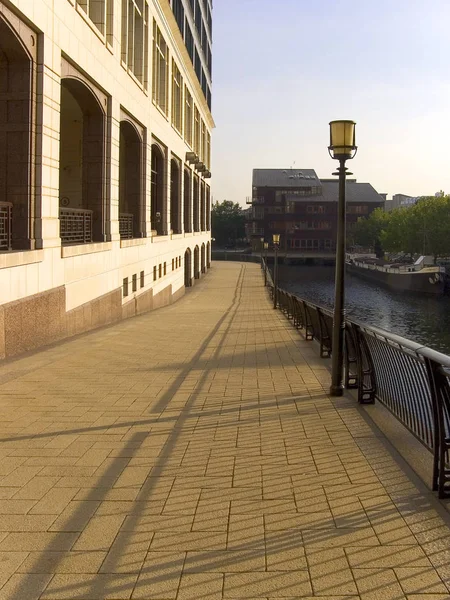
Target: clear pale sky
point(282, 69)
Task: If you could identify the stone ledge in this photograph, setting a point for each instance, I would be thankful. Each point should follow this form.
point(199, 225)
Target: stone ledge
point(81, 249)
point(20, 257)
point(134, 242)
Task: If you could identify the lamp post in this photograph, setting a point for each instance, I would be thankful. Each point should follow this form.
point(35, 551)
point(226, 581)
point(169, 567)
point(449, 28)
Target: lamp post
point(276, 243)
point(261, 249)
point(342, 147)
point(266, 245)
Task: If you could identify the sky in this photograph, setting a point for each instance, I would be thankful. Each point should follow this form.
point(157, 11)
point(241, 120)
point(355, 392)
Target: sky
point(283, 69)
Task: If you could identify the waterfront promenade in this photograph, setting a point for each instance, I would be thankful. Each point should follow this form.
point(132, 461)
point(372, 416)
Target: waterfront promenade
point(193, 453)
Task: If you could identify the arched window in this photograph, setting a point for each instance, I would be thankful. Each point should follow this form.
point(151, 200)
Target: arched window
point(81, 164)
point(196, 263)
point(202, 207)
point(208, 255)
point(187, 201)
point(131, 216)
point(196, 202)
point(158, 212)
point(203, 258)
point(17, 103)
point(188, 268)
point(175, 197)
point(208, 208)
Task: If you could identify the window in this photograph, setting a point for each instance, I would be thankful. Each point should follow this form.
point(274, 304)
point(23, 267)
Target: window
point(134, 283)
point(357, 210)
point(315, 209)
point(209, 60)
point(209, 20)
point(204, 40)
point(204, 83)
point(154, 273)
point(198, 17)
point(188, 103)
point(142, 279)
point(125, 287)
point(178, 11)
point(135, 38)
point(189, 40)
point(160, 270)
point(100, 12)
point(203, 143)
point(198, 65)
point(197, 148)
point(208, 150)
point(177, 98)
point(160, 70)
point(165, 268)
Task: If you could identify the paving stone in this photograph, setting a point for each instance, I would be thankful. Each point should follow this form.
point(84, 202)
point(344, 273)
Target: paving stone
point(209, 463)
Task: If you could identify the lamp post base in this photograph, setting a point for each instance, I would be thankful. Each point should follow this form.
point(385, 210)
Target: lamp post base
point(337, 390)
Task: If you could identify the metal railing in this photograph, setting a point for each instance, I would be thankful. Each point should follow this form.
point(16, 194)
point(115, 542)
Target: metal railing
point(410, 380)
point(5, 225)
point(126, 226)
point(75, 226)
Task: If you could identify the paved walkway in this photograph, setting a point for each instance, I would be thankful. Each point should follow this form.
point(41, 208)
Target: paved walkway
point(193, 453)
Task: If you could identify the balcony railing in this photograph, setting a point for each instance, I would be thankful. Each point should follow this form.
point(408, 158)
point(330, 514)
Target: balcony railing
point(75, 226)
point(5, 225)
point(412, 381)
point(126, 226)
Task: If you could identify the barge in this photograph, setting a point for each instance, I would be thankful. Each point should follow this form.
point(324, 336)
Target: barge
point(414, 278)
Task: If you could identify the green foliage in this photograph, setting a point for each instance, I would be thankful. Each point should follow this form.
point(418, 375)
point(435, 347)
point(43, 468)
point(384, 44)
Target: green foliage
point(367, 232)
point(423, 228)
point(227, 222)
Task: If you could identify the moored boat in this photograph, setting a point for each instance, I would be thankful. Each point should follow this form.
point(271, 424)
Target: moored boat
point(415, 278)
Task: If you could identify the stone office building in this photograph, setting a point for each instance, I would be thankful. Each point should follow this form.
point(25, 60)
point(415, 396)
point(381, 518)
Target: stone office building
point(303, 209)
point(105, 153)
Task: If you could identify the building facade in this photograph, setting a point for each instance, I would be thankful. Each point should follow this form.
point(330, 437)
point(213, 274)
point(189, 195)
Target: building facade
point(105, 154)
point(303, 209)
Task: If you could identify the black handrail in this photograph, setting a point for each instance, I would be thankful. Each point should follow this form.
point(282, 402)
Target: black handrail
point(411, 380)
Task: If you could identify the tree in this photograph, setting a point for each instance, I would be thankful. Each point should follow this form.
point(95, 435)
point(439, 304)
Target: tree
point(227, 222)
point(421, 229)
point(368, 231)
point(432, 218)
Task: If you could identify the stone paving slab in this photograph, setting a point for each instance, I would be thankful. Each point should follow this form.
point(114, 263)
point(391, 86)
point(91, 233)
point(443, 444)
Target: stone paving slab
point(193, 452)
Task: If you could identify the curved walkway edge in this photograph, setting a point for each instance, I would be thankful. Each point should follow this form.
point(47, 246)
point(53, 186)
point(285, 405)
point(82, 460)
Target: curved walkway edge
point(193, 453)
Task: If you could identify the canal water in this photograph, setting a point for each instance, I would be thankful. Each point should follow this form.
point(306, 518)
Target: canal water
point(422, 319)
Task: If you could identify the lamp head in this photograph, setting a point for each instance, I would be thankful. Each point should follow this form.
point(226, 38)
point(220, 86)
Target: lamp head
point(342, 140)
point(276, 238)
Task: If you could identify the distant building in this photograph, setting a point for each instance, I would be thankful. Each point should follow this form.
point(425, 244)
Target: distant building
point(303, 208)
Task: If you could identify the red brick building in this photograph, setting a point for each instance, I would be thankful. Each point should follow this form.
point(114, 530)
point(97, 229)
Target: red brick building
point(303, 209)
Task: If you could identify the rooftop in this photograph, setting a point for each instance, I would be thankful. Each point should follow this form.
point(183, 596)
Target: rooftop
point(285, 178)
point(300, 178)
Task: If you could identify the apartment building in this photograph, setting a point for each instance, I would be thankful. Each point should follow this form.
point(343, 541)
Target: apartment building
point(303, 209)
point(105, 158)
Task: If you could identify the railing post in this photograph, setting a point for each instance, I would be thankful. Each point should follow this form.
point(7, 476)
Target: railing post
point(440, 399)
point(367, 385)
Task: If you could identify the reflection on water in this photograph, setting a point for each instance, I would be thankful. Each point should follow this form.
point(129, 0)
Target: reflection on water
point(422, 319)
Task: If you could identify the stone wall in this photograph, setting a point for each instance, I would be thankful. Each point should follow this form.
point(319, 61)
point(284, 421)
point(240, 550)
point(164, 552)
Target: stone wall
point(42, 319)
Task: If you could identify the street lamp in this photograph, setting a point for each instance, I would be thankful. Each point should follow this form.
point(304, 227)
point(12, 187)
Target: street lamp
point(261, 248)
point(266, 245)
point(276, 244)
point(342, 147)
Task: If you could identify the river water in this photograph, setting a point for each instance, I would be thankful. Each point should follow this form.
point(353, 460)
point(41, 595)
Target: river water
point(422, 319)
